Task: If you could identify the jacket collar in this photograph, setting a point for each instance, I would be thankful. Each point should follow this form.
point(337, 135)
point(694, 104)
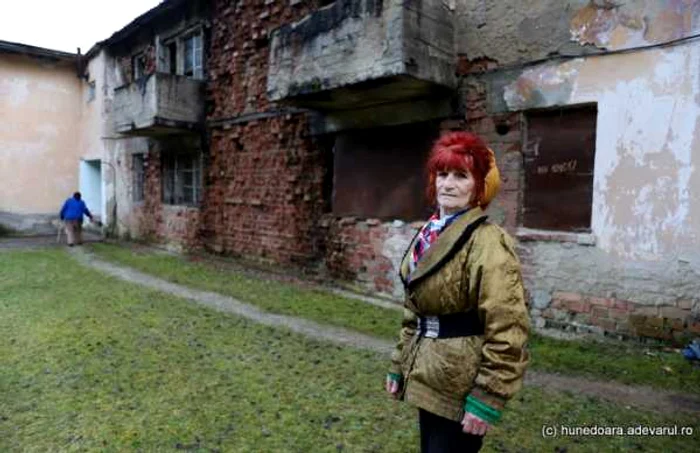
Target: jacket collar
point(451, 239)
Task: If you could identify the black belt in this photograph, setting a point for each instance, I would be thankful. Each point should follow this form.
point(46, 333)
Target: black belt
point(450, 326)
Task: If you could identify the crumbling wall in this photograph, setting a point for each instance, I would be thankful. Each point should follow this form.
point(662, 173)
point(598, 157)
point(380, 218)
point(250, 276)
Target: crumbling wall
point(636, 274)
point(511, 32)
point(264, 194)
point(264, 186)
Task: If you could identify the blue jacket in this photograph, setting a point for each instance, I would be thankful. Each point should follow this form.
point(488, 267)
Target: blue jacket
point(74, 209)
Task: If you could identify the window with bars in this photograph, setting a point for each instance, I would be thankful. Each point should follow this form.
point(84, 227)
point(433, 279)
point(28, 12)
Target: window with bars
point(138, 175)
point(193, 56)
point(182, 178)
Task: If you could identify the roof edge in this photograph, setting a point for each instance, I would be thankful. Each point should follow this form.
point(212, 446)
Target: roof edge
point(34, 51)
point(133, 26)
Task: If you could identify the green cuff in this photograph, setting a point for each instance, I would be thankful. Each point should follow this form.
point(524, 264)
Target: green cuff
point(395, 377)
point(482, 410)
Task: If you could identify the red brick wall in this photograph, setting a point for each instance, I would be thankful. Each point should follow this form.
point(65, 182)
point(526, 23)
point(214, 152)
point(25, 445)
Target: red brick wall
point(238, 61)
point(264, 192)
point(357, 251)
point(619, 317)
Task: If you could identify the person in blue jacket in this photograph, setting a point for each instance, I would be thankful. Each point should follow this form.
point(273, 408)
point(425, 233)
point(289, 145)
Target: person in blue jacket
point(72, 216)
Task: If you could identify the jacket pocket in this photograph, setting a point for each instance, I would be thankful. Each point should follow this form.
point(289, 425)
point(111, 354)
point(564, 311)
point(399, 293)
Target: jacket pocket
point(449, 365)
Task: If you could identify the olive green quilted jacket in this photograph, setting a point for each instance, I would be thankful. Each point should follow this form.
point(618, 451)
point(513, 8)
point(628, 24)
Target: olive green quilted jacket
point(483, 274)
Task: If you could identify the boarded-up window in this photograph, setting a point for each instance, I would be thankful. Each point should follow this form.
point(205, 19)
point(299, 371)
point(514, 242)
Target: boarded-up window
point(182, 178)
point(138, 176)
point(559, 160)
point(380, 173)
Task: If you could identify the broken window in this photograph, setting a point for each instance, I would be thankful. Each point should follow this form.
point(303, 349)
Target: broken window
point(138, 65)
point(193, 55)
point(137, 166)
point(559, 158)
point(182, 178)
point(380, 172)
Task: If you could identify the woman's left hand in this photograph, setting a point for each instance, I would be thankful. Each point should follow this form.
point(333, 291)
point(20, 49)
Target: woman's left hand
point(471, 424)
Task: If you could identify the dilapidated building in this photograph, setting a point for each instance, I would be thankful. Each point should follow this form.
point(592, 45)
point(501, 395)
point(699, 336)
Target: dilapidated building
point(322, 113)
point(295, 132)
point(147, 121)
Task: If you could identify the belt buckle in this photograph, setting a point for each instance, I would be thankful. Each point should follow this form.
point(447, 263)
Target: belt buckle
point(432, 327)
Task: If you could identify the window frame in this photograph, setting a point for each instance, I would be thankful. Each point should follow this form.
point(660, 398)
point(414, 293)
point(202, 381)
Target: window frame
point(197, 70)
point(138, 65)
point(138, 181)
point(175, 191)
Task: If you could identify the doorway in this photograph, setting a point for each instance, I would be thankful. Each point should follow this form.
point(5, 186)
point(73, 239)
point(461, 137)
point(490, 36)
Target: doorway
point(91, 186)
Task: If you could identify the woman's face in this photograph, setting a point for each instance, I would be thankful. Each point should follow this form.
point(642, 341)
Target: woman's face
point(454, 189)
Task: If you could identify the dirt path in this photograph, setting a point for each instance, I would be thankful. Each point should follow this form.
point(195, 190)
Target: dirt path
point(639, 397)
point(40, 241)
point(230, 305)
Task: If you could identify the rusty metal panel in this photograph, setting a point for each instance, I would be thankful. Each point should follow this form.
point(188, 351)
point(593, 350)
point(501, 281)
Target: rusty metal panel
point(380, 173)
point(559, 158)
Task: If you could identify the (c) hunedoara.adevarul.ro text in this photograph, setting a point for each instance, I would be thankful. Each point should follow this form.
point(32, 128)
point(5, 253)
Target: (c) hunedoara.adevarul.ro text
point(602, 430)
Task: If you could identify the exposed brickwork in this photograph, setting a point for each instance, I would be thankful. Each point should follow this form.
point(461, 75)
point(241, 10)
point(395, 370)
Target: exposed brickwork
point(264, 193)
point(367, 252)
point(619, 317)
point(238, 63)
point(176, 226)
point(502, 132)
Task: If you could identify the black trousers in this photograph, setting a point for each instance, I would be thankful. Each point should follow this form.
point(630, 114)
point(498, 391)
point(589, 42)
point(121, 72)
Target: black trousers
point(441, 435)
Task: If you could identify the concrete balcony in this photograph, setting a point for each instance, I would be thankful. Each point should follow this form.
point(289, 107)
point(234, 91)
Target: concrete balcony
point(159, 104)
point(355, 54)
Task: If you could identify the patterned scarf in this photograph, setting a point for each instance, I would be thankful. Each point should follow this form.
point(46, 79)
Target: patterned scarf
point(429, 234)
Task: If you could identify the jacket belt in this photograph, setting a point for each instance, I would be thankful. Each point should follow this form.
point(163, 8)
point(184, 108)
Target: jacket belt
point(450, 326)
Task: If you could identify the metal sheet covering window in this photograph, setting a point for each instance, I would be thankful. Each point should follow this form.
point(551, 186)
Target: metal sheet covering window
point(559, 158)
point(380, 172)
point(182, 178)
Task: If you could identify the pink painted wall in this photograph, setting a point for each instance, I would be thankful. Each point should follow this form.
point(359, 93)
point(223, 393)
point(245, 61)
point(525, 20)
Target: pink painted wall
point(39, 134)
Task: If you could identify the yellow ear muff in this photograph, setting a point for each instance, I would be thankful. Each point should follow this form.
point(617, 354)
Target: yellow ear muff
point(492, 182)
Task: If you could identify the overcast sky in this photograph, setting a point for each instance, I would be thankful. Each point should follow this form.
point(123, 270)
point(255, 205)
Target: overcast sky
point(67, 24)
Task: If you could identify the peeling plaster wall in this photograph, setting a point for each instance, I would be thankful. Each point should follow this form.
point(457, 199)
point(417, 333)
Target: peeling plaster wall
point(524, 30)
point(641, 277)
point(100, 141)
point(39, 152)
point(647, 145)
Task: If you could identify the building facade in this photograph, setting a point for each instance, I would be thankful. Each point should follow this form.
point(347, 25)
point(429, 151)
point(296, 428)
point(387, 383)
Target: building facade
point(40, 96)
point(295, 133)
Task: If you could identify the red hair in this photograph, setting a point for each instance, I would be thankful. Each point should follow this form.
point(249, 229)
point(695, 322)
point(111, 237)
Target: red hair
point(459, 151)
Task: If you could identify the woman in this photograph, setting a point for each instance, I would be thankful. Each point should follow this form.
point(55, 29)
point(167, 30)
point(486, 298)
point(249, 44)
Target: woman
point(461, 353)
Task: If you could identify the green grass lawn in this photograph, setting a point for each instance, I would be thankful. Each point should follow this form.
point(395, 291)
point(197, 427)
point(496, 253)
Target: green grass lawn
point(625, 363)
point(90, 363)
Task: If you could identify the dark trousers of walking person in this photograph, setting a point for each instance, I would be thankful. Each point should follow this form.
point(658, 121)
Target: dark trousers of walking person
point(74, 231)
point(440, 435)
